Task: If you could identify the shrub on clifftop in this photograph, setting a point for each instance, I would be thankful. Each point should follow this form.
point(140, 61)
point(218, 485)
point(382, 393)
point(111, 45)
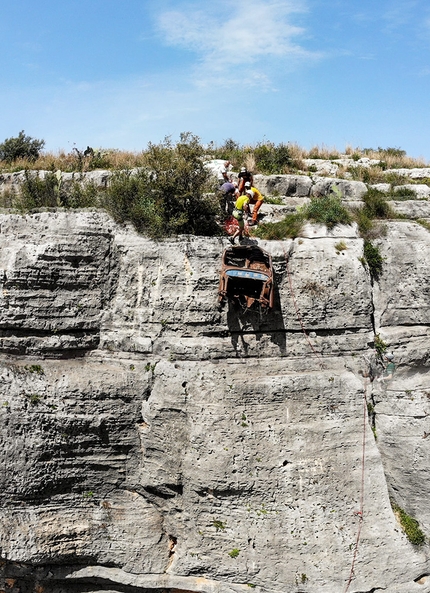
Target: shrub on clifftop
point(21, 147)
point(327, 210)
point(167, 196)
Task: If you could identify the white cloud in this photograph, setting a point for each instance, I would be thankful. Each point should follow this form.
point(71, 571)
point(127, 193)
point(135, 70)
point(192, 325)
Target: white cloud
point(402, 13)
point(252, 34)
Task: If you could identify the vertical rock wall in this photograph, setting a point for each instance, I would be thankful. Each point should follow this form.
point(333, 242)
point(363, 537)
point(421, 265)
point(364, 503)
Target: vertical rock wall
point(151, 442)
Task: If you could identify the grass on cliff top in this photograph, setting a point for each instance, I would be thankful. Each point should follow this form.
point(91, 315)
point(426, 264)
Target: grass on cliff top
point(331, 211)
point(289, 227)
point(262, 157)
point(327, 210)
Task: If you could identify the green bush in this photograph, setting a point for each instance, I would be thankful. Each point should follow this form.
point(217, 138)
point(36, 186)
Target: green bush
point(396, 152)
point(22, 146)
point(327, 210)
point(373, 259)
point(395, 179)
point(50, 192)
point(289, 227)
point(168, 196)
point(39, 193)
point(404, 193)
point(376, 205)
point(271, 158)
point(229, 151)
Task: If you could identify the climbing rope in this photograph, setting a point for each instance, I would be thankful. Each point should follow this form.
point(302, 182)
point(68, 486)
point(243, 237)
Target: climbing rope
point(359, 513)
point(361, 509)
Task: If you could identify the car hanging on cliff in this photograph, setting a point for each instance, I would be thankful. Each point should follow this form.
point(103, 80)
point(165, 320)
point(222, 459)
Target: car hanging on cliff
point(246, 277)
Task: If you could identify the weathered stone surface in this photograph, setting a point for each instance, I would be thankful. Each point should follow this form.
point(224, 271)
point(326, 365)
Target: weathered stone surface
point(412, 208)
point(322, 167)
point(349, 190)
point(56, 272)
point(421, 190)
point(402, 295)
point(13, 181)
point(178, 447)
point(284, 185)
point(415, 173)
point(384, 187)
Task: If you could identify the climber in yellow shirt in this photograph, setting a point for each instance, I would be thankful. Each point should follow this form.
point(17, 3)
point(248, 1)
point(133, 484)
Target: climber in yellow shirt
point(255, 197)
point(241, 208)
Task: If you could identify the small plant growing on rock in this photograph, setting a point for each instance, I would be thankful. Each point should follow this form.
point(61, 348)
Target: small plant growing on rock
point(341, 246)
point(409, 525)
point(314, 288)
point(219, 525)
point(373, 259)
point(234, 553)
point(379, 345)
point(34, 398)
point(35, 368)
point(423, 223)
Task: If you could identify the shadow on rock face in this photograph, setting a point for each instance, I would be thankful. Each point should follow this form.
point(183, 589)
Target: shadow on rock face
point(257, 323)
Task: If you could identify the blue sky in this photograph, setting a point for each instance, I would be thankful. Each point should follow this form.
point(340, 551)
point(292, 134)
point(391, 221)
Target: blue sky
point(117, 74)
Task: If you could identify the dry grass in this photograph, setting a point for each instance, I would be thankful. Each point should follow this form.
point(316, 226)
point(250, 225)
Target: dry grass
point(241, 156)
point(76, 161)
point(249, 161)
point(323, 152)
point(396, 161)
point(391, 158)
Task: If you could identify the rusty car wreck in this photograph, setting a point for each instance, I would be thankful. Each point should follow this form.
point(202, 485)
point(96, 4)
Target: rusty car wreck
point(246, 277)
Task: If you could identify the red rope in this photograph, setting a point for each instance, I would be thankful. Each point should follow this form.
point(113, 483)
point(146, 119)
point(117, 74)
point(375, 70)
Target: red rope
point(363, 455)
point(360, 512)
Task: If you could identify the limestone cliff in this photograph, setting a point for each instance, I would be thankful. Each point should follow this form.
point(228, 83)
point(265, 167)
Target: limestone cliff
point(150, 442)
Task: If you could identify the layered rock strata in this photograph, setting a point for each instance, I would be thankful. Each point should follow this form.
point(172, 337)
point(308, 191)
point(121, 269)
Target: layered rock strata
point(152, 442)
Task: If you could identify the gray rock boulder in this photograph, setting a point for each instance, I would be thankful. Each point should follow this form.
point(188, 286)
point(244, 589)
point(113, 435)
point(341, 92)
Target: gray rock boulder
point(298, 186)
point(349, 190)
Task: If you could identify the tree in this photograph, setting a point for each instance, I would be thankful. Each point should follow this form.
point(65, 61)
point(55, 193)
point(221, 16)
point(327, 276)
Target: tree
point(21, 147)
point(166, 197)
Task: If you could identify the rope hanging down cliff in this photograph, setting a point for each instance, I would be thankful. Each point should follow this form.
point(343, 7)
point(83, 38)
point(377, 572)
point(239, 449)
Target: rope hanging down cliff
point(360, 512)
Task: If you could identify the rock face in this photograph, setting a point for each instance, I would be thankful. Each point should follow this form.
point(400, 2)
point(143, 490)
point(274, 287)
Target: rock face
point(151, 442)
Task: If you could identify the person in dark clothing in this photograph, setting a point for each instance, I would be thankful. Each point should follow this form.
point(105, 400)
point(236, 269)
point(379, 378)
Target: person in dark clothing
point(229, 193)
point(245, 176)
